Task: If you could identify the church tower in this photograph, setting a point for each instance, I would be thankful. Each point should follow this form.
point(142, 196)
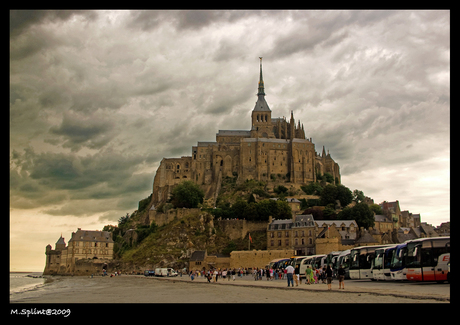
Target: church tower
point(261, 114)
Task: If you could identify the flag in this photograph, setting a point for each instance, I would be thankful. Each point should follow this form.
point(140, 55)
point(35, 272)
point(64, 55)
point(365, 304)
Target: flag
point(250, 238)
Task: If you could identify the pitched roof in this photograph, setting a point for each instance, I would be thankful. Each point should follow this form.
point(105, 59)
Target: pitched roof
point(198, 256)
point(60, 241)
point(381, 218)
point(92, 236)
point(337, 223)
point(366, 238)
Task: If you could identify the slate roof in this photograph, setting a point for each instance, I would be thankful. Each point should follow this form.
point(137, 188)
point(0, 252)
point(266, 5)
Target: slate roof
point(92, 236)
point(198, 256)
point(366, 238)
point(337, 223)
point(60, 241)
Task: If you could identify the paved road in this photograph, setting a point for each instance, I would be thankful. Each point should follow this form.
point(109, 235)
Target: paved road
point(416, 290)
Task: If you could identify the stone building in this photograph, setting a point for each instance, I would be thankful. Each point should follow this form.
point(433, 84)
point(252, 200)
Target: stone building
point(302, 233)
point(83, 245)
point(200, 260)
point(298, 233)
point(273, 147)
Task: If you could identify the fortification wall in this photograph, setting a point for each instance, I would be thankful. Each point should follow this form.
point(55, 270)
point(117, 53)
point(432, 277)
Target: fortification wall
point(236, 229)
point(259, 258)
point(162, 218)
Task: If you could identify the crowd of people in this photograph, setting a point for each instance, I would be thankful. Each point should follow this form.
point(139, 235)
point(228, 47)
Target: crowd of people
point(215, 274)
point(312, 275)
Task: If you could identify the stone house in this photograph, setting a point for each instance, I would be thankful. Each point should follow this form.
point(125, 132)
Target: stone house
point(83, 245)
point(298, 233)
point(200, 260)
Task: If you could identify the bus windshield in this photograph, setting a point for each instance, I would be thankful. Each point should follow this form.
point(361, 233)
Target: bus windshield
point(354, 257)
point(345, 261)
point(413, 254)
point(398, 258)
point(378, 260)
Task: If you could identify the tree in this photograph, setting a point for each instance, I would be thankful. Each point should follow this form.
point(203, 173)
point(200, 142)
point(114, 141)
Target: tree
point(266, 208)
point(328, 178)
point(123, 220)
point(280, 189)
point(187, 195)
point(377, 209)
point(358, 196)
point(361, 213)
point(344, 195)
point(238, 209)
point(312, 189)
point(250, 213)
point(284, 210)
point(331, 193)
point(328, 195)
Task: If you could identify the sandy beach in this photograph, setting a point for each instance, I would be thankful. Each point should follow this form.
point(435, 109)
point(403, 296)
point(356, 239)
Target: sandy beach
point(140, 289)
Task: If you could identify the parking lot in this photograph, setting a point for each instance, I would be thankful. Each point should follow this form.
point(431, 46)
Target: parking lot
point(421, 290)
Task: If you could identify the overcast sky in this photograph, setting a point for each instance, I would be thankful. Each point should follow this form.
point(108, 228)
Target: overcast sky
point(98, 98)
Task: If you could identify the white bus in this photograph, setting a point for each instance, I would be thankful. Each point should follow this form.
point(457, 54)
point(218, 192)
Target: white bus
point(361, 258)
point(427, 258)
point(382, 263)
point(398, 269)
point(311, 261)
point(344, 260)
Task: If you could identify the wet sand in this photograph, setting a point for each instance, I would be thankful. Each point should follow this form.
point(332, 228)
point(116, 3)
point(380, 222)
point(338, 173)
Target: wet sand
point(139, 289)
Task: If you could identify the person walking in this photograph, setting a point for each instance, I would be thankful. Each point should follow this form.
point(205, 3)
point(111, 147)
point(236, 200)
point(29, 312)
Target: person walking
point(308, 276)
point(290, 273)
point(341, 274)
point(329, 277)
point(297, 274)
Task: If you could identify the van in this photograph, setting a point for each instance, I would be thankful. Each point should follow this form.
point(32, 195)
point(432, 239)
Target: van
point(149, 272)
point(165, 272)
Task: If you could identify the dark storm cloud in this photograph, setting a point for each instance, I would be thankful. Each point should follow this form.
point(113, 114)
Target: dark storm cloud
point(188, 19)
point(21, 20)
point(81, 186)
point(93, 132)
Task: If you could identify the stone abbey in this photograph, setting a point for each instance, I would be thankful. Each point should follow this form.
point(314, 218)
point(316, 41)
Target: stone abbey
point(273, 148)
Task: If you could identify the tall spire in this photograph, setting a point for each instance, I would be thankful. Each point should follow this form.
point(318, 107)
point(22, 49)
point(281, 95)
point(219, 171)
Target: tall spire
point(261, 104)
point(261, 81)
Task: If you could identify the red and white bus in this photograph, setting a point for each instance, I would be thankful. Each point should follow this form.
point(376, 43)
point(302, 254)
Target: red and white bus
point(427, 259)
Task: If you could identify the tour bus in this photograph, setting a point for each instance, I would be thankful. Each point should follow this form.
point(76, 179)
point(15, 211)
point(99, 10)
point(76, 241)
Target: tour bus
point(427, 259)
point(398, 269)
point(382, 262)
point(331, 260)
point(344, 260)
point(273, 262)
point(278, 263)
point(361, 258)
point(319, 261)
point(296, 260)
point(309, 261)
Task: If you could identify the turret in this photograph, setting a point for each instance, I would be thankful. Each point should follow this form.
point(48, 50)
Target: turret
point(60, 244)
